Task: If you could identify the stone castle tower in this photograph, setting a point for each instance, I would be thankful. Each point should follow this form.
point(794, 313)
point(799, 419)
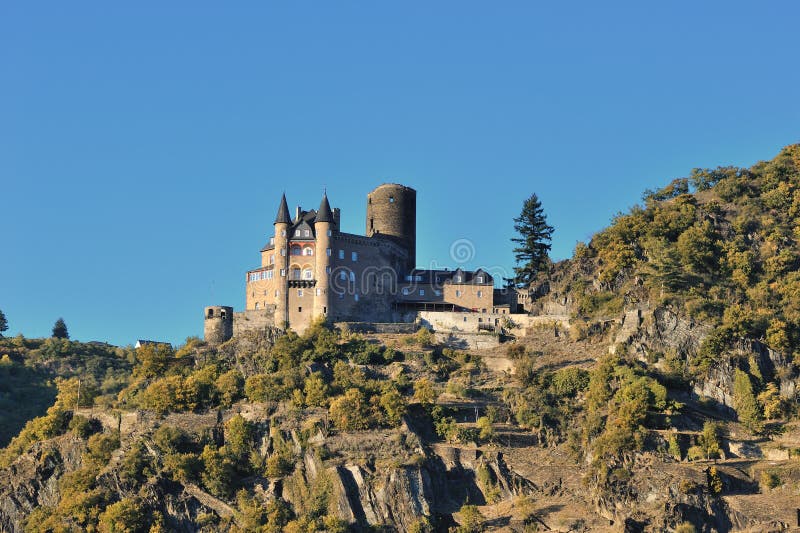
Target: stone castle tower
point(392, 211)
point(218, 324)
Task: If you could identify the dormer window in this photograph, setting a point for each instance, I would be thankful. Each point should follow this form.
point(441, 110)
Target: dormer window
point(297, 233)
point(306, 232)
point(480, 279)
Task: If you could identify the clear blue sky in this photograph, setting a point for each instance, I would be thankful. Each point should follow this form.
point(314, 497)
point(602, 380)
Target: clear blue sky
point(144, 145)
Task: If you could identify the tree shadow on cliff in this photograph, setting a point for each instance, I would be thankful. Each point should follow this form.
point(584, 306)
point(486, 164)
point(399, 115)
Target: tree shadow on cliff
point(24, 394)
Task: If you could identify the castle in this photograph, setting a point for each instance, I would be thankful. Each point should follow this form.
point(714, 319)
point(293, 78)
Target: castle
point(310, 269)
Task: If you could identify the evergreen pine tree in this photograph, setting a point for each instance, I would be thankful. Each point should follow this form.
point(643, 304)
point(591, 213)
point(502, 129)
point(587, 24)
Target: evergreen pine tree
point(60, 329)
point(533, 241)
point(3, 323)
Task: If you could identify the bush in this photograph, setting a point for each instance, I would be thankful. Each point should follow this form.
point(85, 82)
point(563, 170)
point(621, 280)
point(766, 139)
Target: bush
point(768, 481)
point(128, 515)
point(350, 411)
point(84, 427)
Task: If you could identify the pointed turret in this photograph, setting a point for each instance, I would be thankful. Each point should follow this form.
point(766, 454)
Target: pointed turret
point(283, 212)
point(324, 214)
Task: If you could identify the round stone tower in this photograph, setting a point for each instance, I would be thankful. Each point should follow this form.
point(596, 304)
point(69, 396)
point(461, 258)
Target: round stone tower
point(392, 211)
point(218, 325)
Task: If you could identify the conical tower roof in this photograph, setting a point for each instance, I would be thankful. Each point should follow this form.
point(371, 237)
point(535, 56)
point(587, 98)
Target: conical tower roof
point(283, 212)
point(324, 214)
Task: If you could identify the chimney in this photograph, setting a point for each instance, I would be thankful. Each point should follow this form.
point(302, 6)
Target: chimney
point(297, 213)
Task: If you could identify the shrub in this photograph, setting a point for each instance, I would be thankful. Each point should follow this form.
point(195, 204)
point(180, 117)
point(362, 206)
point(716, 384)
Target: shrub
point(230, 387)
point(768, 481)
point(394, 406)
point(350, 411)
point(219, 472)
point(128, 515)
point(279, 465)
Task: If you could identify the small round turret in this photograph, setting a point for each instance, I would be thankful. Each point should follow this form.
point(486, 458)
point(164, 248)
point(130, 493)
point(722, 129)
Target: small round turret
point(392, 211)
point(218, 326)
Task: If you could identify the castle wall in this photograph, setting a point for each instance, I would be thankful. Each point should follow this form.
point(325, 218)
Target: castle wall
point(251, 320)
point(364, 287)
point(469, 296)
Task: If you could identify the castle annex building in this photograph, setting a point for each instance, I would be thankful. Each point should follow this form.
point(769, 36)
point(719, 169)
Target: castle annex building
point(310, 269)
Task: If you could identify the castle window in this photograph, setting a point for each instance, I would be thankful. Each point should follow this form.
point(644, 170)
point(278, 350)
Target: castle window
point(480, 279)
point(256, 306)
point(299, 309)
point(341, 254)
point(327, 270)
point(295, 273)
point(272, 240)
point(308, 274)
point(210, 313)
point(343, 275)
point(272, 259)
point(391, 199)
point(422, 292)
point(352, 277)
point(297, 233)
point(480, 294)
point(295, 250)
point(283, 233)
point(306, 233)
point(355, 297)
point(319, 291)
point(299, 293)
point(458, 294)
point(354, 256)
point(324, 310)
point(276, 294)
point(437, 292)
point(283, 252)
point(341, 295)
point(308, 251)
point(328, 252)
point(283, 272)
point(330, 233)
point(269, 274)
point(405, 291)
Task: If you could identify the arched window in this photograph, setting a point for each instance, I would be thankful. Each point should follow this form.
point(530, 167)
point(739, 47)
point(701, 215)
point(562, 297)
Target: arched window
point(308, 274)
point(296, 250)
point(294, 273)
point(352, 277)
point(308, 251)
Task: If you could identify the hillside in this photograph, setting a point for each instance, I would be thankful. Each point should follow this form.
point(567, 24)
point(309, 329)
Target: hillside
point(663, 399)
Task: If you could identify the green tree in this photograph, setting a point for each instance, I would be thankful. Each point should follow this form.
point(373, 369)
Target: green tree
point(424, 393)
point(710, 440)
point(744, 401)
point(486, 428)
point(3, 323)
point(394, 405)
point(60, 329)
point(533, 242)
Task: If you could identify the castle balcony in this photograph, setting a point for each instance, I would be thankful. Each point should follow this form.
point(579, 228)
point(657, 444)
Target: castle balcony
point(301, 283)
